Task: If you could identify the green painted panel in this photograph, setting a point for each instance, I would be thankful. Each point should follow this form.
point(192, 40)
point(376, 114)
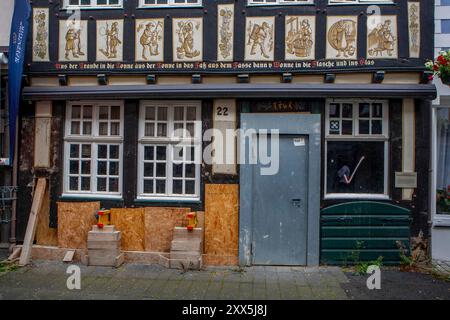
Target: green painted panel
point(345, 256)
point(363, 243)
point(381, 232)
point(369, 220)
point(365, 207)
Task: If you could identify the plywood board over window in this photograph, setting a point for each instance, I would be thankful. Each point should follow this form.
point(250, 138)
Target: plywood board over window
point(75, 220)
point(221, 223)
point(131, 223)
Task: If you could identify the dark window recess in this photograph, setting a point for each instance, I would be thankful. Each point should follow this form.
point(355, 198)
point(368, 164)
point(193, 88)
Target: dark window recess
point(344, 175)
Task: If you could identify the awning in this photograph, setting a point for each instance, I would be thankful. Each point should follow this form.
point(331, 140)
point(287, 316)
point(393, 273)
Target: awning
point(237, 90)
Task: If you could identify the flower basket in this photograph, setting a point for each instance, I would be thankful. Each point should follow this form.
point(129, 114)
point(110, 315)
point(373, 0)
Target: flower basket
point(440, 67)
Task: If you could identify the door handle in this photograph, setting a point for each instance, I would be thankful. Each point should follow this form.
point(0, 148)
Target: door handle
point(296, 202)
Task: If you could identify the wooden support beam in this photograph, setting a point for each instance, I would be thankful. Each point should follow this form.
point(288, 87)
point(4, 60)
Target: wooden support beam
point(32, 221)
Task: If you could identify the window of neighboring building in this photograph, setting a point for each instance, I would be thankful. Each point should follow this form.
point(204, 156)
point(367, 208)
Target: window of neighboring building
point(84, 4)
point(166, 3)
point(443, 161)
point(445, 26)
point(93, 149)
point(445, 2)
point(169, 150)
point(269, 2)
point(357, 136)
point(359, 1)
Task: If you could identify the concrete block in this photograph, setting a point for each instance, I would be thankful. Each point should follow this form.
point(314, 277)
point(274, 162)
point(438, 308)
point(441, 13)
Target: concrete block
point(104, 236)
point(183, 234)
point(186, 245)
point(94, 244)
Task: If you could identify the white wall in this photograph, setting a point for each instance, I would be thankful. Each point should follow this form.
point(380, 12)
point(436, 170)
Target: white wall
point(6, 13)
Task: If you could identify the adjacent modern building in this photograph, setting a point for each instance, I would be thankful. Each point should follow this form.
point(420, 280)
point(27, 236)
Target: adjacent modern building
point(440, 159)
point(125, 100)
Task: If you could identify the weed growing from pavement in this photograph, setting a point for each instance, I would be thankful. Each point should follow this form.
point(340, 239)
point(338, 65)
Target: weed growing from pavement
point(6, 267)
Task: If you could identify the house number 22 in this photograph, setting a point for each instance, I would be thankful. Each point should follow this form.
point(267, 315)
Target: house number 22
point(222, 111)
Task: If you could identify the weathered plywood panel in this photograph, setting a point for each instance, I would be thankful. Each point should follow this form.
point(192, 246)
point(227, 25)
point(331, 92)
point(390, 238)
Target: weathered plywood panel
point(220, 260)
point(45, 235)
point(222, 219)
point(159, 225)
point(75, 220)
point(131, 223)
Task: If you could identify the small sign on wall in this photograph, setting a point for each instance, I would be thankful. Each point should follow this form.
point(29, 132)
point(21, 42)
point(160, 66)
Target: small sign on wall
point(406, 180)
point(224, 143)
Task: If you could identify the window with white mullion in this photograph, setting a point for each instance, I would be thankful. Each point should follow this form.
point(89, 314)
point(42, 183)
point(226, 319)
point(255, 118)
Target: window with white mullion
point(93, 148)
point(356, 149)
point(169, 157)
point(92, 3)
point(275, 2)
point(169, 3)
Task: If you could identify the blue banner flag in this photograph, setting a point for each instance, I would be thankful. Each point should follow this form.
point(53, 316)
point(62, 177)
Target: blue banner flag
point(17, 46)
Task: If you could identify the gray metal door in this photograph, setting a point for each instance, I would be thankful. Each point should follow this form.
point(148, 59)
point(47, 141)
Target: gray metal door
point(280, 206)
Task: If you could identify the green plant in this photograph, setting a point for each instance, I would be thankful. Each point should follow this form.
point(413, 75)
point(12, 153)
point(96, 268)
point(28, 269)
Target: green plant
point(6, 266)
point(361, 268)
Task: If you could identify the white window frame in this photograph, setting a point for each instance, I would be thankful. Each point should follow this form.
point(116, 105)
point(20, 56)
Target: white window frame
point(358, 137)
point(280, 2)
point(94, 140)
point(171, 4)
point(359, 2)
point(170, 141)
point(438, 220)
point(93, 5)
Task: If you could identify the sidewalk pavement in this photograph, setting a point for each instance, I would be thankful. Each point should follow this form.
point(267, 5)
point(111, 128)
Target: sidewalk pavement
point(47, 280)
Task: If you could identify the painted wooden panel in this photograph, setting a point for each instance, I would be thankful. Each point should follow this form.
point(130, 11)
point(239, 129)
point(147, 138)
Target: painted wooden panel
point(75, 220)
point(159, 224)
point(40, 35)
point(131, 223)
point(221, 219)
point(363, 231)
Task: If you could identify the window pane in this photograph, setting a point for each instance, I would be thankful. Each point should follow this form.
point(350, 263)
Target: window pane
point(103, 128)
point(343, 173)
point(190, 187)
point(76, 112)
point(149, 130)
point(75, 127)
point(190, 129)
point(87, 112)
point(101, 184)
point(148, 153)
point(86, 151)
point(115, 113)
point(162, 113)
point(178, 186)
point(377, 127)
point(377, 110)
point(335, 110)
point(179, 114)
point(150, 113)
point(178, 129)
point(190, 153)
point(87, 128)
point(114, 168)
point(443, 161)
point(162, 130)
point(148, 186)
point(161, 153)
point(101, 168)
point(85, 183)
point(160, 186)
point(74, 150)
point(114, 152)
point(364, 110)
point(85, 167)
point(161, 170)
point(347, 127)
point(347, 110)
point(113, 185)
point(103, 113)
point(73, 183)
point(148, 169)
point(115, 128)
point(74, 167)
point(191, 113)
point(364, 126)
point(190, 170)
point(178, 170)
point(335, 127)
point(102, 151)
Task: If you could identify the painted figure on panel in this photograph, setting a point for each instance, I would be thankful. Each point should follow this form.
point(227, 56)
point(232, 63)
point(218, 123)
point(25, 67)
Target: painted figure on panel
point(260, 37)
point(73, 40)
point(185, 34)
point(382, 40)
point(112, 41)
point(342, 38)
point(299, 39)
point(40, 46)
point(225, 32)
point(150, 38)
point(414, 27)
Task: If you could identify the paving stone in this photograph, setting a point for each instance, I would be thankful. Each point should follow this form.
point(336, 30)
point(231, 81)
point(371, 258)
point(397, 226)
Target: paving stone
point(273, 291)
point(214, 290)
point(288, 291)
point(259, 291)
point(230, 291)
point(245, 291)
